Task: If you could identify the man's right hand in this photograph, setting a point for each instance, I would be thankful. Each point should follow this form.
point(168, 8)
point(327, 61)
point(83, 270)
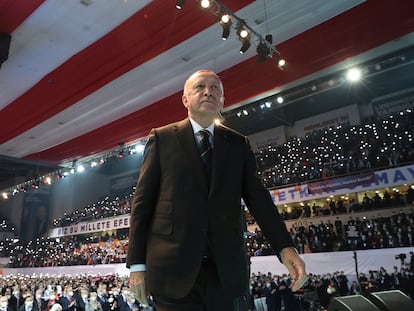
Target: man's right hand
point(137, 285)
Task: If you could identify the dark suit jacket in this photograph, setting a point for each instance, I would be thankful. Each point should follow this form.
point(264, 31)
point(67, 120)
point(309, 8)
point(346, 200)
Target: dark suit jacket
point(14, 303)
point(42, 307)
point(65, 303)
point(175, 212)
point(126, 307)
point(104, 303)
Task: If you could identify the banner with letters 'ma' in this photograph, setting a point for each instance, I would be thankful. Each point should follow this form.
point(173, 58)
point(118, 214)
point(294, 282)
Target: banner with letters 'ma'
point(381, 179)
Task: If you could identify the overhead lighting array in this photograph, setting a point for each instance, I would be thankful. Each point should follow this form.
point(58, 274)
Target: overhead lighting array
point(76, 166)
point(351, 75)
point(282, 98)
point(228, 20)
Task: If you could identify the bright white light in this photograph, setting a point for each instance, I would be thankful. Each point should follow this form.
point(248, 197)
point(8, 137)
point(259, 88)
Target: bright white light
point(205, 4)
point(281, 63)
point(244, 33)
point(48, 180)
point(225, 18)
point(280, 99)
point(139, 148)
point(5, 195)
point(80, 168)
point(245, 112)
point(353, 74)
point(94, 163)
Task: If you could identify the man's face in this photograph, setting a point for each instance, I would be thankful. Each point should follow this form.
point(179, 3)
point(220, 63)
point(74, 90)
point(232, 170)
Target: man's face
point(203, 96)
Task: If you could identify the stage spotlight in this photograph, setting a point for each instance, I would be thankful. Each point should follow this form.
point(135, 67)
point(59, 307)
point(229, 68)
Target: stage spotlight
point(225, 22)
point(280, 99)
point(263, 50)
point(205, 4)
point(244, 37)
point(281, 63)
point(243, 34)
point(225, 19)
point(353, 74)
point(179, 4)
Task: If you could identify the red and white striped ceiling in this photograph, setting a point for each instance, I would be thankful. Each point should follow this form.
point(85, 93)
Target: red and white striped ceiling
point(80, 79)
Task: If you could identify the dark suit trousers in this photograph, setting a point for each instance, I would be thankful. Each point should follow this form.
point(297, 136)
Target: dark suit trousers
point(206, 294)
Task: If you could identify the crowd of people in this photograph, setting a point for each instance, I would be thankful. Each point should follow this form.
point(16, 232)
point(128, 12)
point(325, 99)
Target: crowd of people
point(112, 293)
point(5, 227)
point(67, 251)
point(367, 233)
point(330, 152)
point(333, 207)
point(371, 233)
point(67, 293)
point(320, 289)
point(108, 207)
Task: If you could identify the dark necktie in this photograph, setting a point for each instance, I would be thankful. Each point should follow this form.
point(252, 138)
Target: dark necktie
point(206, 151)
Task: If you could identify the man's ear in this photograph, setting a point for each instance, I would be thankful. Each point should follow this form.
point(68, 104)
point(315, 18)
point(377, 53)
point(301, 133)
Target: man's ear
point(184, 100)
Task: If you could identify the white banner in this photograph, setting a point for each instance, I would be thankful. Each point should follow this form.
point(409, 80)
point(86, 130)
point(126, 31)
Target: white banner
point(385, 178)
point(400, 101)
point(105, 224)
point(318, 263)
point(274, 136)
point(322, 263)
point(342, 116)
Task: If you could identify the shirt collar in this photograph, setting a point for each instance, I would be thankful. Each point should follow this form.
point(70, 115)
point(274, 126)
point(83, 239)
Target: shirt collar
point(197, 127)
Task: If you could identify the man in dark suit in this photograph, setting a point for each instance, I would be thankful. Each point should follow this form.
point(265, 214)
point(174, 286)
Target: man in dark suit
point(39, 304)
point(186, 243)
point(67, 300)
point(16, 300)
